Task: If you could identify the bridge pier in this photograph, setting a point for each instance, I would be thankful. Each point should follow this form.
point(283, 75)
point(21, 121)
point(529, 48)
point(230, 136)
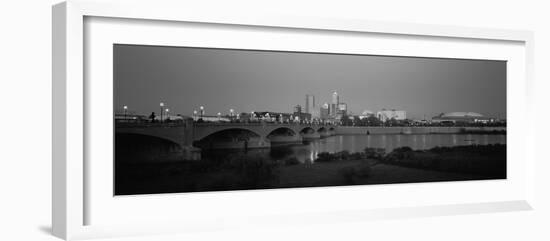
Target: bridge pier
point(324, 134)
point(191, 153)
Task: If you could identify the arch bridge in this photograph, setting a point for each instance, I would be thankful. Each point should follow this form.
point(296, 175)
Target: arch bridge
point(192, 136)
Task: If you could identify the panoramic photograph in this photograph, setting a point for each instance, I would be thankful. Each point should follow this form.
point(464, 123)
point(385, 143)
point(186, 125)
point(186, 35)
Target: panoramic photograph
point(190, 119)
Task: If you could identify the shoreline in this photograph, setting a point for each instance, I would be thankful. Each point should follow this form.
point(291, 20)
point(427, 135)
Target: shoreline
point(373, 166)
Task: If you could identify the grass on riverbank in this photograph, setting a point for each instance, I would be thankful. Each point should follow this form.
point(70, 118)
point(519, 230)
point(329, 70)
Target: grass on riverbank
point(483, 160)
point(373, 166)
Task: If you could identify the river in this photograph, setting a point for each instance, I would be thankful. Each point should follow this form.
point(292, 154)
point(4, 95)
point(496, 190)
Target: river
point(356, 143)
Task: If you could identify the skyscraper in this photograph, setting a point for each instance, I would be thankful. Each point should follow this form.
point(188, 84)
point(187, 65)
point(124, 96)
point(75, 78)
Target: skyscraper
point(310, 104)
point(334, 105)
point(324, 111)
point(311, 107)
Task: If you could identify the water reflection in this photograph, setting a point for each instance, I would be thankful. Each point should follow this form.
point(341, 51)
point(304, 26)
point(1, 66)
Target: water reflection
point(357, 143)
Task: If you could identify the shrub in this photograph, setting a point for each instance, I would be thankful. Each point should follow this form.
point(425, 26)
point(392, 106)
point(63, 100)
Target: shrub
point(343, 155)
point(399, 154)
point(356, 156)
point(325, 157)
point(375, 153)
point(403, 149)
point(391, 158)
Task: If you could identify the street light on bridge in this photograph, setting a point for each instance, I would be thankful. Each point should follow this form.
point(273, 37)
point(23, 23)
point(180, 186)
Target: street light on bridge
point(219, 116)
point(195, 115)
point(161, 110)
point(125, 109)
point(202, 111)
point(231, 111)
point(167, 114)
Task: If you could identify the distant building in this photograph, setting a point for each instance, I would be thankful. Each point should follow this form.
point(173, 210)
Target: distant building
point(461, 117)
point(301, 116)
point(213, 118)
point(334, 105)
point(298, 109)
point(311, 107)
point(315, 114)
point(324, 112)
point(342, 109)
point(310, 103)
point(366, 114)
point(420, 122)
point(385, 115)
point(264, 116)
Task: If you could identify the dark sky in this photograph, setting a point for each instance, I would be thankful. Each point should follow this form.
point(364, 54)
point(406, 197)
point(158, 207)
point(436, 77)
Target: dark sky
point(247, 80)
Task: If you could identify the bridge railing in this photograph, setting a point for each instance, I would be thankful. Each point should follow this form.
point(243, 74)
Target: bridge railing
point(180, 124)
point(148, 124)
point(255, 124)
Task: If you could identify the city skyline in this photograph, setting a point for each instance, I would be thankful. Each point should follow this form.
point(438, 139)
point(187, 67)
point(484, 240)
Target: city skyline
point(247, 80)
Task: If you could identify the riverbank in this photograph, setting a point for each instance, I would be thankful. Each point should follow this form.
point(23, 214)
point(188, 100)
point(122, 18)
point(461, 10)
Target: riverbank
point(373, 166)
point(333, 174)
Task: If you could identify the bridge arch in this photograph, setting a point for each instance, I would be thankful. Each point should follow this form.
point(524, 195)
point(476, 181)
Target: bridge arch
point(201, 133)
point(281, 131)
point(322, 129)
point(307, 130)
point(230, 138)
point(283, 135)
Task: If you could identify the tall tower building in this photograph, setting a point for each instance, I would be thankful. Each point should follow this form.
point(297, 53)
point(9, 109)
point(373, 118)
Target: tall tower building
point(334, 104)
point(324, 112)
point(310, 104)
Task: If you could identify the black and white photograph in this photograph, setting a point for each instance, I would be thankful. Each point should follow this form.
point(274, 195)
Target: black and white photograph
point(275, 120)
point(189, 119)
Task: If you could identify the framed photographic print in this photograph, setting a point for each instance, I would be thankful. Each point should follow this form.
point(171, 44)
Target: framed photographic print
point(189, 121)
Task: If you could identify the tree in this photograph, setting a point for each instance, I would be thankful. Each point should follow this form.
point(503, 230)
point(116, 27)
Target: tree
point(346, 121)
point(373, 121)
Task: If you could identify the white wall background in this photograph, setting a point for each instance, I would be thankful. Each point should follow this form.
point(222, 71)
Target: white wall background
point(25, 119)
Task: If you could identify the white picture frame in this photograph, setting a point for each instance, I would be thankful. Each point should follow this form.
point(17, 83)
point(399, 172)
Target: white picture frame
point(72, 189)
